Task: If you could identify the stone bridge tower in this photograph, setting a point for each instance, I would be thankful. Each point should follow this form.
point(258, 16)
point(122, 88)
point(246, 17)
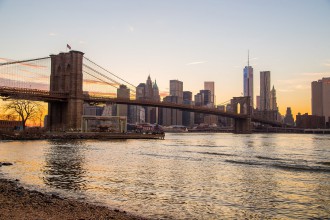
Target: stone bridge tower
point(66, 77)
point(241, 105)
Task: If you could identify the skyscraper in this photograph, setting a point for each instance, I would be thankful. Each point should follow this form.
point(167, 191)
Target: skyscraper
point(210, 86)
point(273, 101)
point(288, 119)
point(173, 116)
point(176, 89)
point(188, 117)
point(248, 81)
point(122, 92)
point(321, 98)
point(264, 90)
point(148, 89)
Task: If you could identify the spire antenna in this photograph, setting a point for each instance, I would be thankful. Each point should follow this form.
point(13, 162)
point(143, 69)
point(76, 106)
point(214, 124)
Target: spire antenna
point(248, 58)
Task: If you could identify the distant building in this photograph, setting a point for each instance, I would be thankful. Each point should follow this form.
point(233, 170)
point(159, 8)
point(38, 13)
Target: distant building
point(171, 116)
point(248, 81)
point(273, 101)
point(176, 89)
point(188, 118)
point(124, 93)
point(321, 98)
point(92, 110)
point(145, 91)
point(288, 119)
point(264, 90)
point(203, 98)
point(258, 102)
point(108, 110)
point(187, 95)
point(208, 85)
point(310, 121)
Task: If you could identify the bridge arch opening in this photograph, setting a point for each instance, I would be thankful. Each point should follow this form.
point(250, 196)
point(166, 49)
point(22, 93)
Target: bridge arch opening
point(238, 108)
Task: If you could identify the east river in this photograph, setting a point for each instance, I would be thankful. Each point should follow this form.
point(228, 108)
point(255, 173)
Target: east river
point(185, 176)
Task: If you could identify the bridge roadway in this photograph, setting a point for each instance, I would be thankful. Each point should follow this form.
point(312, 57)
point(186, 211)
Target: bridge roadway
point(47, 96)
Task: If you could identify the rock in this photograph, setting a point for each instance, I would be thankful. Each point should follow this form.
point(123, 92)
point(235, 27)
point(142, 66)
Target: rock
point(6, 164)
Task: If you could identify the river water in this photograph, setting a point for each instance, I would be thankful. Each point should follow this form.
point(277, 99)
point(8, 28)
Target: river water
point(185, 176)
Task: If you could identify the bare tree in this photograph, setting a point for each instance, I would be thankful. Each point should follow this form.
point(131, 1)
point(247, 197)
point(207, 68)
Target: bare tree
point(25, 109)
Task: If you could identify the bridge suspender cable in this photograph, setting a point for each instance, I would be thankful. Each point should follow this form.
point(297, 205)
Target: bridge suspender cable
point(23, 61)
point(100, 79)
point(109, 72)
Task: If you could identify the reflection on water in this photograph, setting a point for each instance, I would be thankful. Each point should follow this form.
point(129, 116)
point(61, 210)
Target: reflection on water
point(187, 176)
point(64, 165)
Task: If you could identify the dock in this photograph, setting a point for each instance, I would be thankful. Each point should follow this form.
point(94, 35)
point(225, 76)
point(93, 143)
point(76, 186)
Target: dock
point(79, 135)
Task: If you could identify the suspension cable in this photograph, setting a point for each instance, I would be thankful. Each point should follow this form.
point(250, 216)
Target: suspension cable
point(109, 72)
point(22, 61)
point(132, 91)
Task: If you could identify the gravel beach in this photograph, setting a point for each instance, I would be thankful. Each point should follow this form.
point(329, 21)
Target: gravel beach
point(17, 202)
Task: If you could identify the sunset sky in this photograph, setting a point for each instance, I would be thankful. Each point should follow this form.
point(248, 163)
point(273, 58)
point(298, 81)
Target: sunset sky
point(189, 40)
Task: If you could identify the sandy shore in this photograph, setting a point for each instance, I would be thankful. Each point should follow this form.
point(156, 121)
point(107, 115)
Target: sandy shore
point(17, 202)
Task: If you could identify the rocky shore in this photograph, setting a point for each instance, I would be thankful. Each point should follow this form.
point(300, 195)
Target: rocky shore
point(17, 202)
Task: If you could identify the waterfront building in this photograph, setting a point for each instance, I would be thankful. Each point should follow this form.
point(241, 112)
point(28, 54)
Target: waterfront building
point(248, 81)
point(310, 121)
point(321, 98)
point(288, 119)
point(264, 90)
point(209, 85)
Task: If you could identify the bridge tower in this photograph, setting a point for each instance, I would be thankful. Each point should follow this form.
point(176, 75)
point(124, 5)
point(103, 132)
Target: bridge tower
point(241, 105)
point(66, 77)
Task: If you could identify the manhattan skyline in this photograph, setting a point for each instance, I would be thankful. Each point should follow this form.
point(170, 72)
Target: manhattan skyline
point(192, 41)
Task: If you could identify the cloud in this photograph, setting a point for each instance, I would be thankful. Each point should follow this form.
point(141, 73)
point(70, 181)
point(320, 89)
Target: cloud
point(82, 42)
point(52, 34)
point(197, 62)
point(326, 64)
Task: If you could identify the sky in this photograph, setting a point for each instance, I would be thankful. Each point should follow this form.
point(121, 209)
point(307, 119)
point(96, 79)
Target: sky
point(189, 40)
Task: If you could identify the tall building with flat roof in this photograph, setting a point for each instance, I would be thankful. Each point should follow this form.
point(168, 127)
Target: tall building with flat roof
point(122, 92)
point(321, 98)
point(176, 89)
point(248, 81)
point(264, 90)
point(208, 85)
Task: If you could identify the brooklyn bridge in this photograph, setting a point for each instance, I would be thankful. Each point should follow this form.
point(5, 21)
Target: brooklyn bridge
point(68, 80)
